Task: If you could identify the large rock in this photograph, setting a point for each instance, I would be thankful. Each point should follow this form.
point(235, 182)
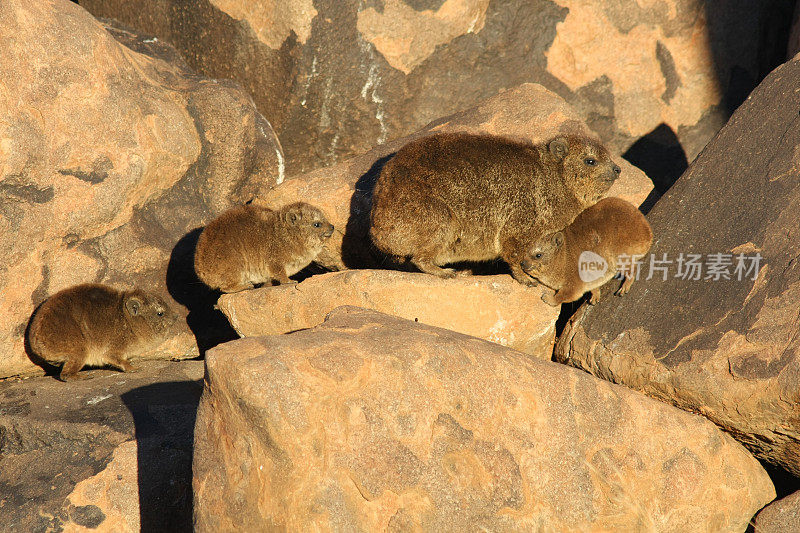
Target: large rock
point(374, 423)
point(729, 349)
point(336, 77)
point(344, 191)
point(109, 155)
point(782, 516)
point(111, 454)
point(495, 308)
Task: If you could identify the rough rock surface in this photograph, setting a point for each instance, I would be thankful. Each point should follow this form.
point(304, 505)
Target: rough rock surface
point(374, 423)
point(781, 516)
point(495, 308)
point(344, 191)
point(112, 453)
point(109, 155)
point(729, 349)
point(336, 77)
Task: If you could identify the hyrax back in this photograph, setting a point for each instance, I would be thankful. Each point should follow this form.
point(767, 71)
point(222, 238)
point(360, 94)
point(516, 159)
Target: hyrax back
point(461, 197)
point(612, 229)
point(98, 325)
point(251, 244)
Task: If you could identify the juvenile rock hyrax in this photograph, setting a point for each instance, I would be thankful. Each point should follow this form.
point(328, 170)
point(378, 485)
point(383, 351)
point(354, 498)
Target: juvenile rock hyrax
point(98, 325)
point(251, 244)
point(455, 197)
point(604, 239)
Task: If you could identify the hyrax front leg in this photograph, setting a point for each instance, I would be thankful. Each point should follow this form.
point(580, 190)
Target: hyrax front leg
point(561, 296)
point(513, 254)
point(278, 273)
point(595, 297)
point(630, 276)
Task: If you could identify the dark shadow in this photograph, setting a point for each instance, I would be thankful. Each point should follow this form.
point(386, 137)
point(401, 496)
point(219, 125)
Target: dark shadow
point(49, 369)
point(164, 415)
point(785, 483)
point(209, 325)
point(660, 155)
point(357, 249)
point(733, 27)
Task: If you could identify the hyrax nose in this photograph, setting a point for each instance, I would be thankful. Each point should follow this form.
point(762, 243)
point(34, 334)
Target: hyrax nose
point(328, 231)
point(616, 169)
point(525, 264)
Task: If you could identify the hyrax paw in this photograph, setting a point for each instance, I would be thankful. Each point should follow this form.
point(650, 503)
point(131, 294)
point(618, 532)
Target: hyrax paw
point(550, 299)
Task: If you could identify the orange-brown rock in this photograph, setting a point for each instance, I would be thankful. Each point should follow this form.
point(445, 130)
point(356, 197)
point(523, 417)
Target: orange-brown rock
point(344, 192)
point(111, 454)
point(374, 423)
point(109, 154)
point(781, 516)
point(715, 328)
point(495, 308)
point(337, 77)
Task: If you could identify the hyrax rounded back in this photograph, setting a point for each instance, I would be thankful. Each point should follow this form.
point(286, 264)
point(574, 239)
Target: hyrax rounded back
point(607, 238)
point(251, 244)
point(461, 197)
point(98, 325)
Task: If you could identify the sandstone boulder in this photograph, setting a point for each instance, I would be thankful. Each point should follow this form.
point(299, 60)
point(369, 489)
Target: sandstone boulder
point(109, 155)
point(344, 191)
point(495, 308)
point(337, 77)
point(726, 344)
point(374, 423)
point(781, 516)
point(110, 454)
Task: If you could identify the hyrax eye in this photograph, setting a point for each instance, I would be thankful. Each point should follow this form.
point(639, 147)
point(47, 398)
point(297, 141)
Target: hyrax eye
point(317, 224)
point(590, 161)
point(538, 256)
point(160, 313)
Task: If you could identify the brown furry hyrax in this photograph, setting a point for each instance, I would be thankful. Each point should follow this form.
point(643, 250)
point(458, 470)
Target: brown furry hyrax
point(455, 197)
point(98, 325)
point(601, 241)
point(251, 244)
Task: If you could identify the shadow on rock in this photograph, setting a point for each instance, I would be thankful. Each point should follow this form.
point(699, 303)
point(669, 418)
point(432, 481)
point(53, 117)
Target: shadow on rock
point(660, 155)
point(209, 325)
point(164, 416)
point(357, 248)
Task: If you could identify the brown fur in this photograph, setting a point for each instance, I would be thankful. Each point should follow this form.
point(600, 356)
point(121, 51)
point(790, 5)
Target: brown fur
point(461, 197)
point(98, 325)
point(610, 228)
point(251, 244)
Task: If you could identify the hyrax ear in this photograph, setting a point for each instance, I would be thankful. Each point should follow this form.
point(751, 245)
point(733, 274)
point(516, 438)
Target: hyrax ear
point(134, 305)
point(559, 147)
point(558, 239)
point(292, 216)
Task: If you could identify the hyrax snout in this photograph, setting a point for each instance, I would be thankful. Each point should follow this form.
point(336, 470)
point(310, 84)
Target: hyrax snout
point(455, 197)
point(98, 325)
point(251, 244)
point(604, 239)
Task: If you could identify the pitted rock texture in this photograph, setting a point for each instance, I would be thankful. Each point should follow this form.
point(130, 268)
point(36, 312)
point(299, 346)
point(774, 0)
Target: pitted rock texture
point(336, 77)
point(374, 423)
point(726, 348)
point(109, 155)
point(780, 516)
point(495, 308)
point(344, 192)
point(112, 453)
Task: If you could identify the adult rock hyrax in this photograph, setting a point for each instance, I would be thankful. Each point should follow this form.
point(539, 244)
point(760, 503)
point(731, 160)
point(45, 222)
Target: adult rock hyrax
point(604, 239)
point(455, 197)
point(98, 325)
point(252, 244)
